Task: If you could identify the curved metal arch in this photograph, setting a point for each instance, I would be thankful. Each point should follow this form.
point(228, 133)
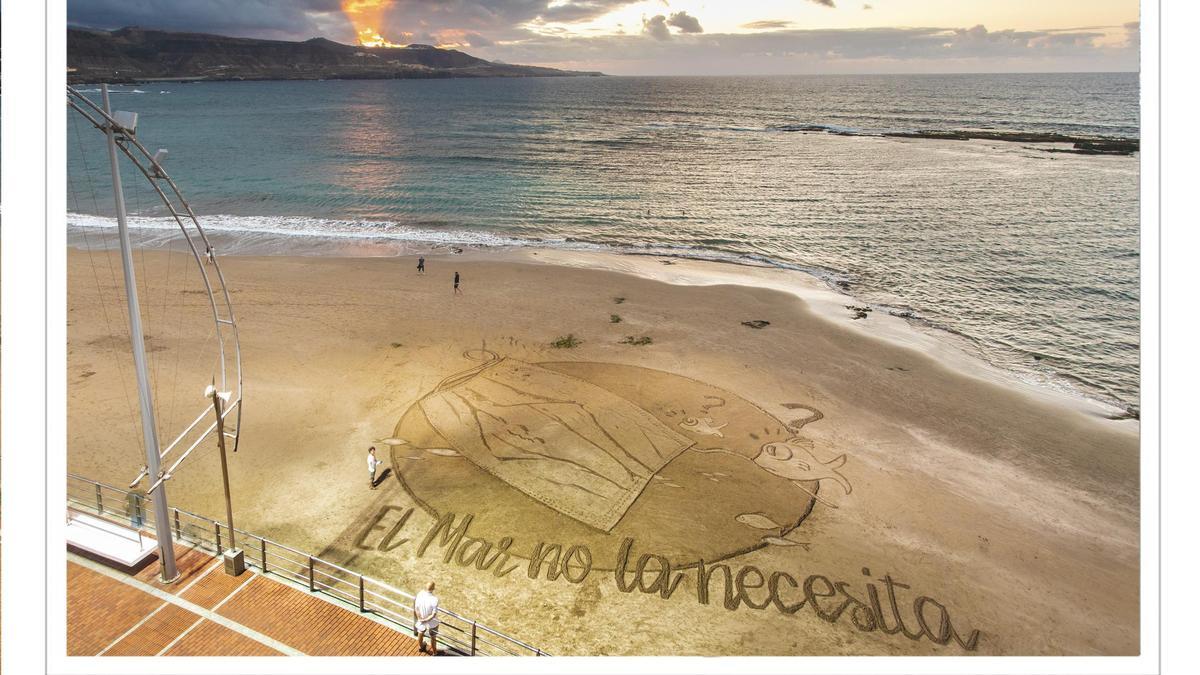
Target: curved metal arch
point(220, 303)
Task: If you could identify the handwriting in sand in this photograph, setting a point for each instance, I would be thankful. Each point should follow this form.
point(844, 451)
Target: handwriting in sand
point(650, 573)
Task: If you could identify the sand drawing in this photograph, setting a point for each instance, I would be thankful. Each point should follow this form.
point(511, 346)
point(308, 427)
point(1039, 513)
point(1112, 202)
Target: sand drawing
point(704, 425)
point(758, 520)
point(569, 465)
point(439, 452)
point(794, 460)
point(762, 522)
point(594, 453)
point(780, 541)
point(797, 425)
point(567, 443)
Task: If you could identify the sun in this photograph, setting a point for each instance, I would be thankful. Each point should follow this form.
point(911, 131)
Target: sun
point(367, 16)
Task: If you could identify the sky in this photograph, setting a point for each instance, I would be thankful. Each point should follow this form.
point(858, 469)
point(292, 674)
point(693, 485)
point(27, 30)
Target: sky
point(687, 37)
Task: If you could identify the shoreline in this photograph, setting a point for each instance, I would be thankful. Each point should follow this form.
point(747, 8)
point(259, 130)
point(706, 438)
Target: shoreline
point(826, 290)
point(828, 301)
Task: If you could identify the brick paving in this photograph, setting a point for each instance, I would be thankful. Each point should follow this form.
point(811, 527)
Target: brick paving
point(100, 610)
point(191, 563)
point(213, 639)
point(156, 633)
point(312, 625)
point(214, 587)
point(123, 616)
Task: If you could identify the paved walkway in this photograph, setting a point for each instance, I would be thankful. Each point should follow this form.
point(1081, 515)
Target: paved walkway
point(209, 613)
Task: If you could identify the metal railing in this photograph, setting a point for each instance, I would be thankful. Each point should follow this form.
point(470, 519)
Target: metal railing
point(457, 633)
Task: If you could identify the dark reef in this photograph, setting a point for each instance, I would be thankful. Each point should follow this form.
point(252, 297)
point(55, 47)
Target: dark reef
point(1080, 145)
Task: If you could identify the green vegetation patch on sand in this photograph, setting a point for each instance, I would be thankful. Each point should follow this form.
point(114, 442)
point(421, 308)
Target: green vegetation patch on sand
point(569, 341)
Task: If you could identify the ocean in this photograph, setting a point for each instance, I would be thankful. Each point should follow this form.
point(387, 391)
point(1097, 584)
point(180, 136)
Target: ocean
point(1027, 258)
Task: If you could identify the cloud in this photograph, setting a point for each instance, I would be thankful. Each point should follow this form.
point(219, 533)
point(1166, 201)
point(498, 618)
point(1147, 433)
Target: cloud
point(303, 19)
point(659, 26)
point(539, 32)
point(477, 40)
point(574, 11)
point(1133, 35)
point(978, 40)
point(826, 3)
point(921, 49)
point(685, 23)
point(656, 27)
point(282, 19)
point(770, 24)
point(868, 7)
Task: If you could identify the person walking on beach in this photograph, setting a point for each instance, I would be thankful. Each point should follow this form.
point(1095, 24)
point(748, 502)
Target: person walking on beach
point(456, 289)
point(421, 265)
point(425, 607)
point(372, 464)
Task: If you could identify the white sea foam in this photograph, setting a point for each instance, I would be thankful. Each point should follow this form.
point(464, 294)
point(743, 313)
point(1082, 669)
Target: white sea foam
point(281, 228)
point(299, 226)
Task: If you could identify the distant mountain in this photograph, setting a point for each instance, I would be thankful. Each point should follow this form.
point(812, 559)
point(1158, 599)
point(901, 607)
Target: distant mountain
point(138, 54)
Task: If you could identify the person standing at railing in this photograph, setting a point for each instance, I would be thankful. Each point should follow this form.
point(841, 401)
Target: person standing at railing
point(373, 463)
point(425, 607)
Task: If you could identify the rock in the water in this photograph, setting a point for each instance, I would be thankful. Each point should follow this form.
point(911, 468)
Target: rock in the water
point(859, 312)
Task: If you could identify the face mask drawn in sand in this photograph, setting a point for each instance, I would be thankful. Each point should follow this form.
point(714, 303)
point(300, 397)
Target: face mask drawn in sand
point(567, 443)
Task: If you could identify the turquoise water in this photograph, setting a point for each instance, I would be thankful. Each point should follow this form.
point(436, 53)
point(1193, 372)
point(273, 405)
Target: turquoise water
point(1029, 257)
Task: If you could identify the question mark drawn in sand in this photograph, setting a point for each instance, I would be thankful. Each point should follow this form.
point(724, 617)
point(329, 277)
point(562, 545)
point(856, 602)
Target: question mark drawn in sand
point(705, 426)
point(796, 425)
point(705, 408)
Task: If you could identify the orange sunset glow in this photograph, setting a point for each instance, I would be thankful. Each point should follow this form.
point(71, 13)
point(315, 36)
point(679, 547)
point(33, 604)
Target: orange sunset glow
point(367, 16)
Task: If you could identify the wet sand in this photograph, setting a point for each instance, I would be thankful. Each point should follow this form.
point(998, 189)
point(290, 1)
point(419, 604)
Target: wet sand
point(1014, 509)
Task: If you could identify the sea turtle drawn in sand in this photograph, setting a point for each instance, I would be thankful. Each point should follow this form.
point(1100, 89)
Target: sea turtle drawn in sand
point(591, 453)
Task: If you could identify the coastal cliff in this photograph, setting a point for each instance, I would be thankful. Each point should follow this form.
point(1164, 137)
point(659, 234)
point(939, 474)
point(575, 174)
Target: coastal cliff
point(138, 55)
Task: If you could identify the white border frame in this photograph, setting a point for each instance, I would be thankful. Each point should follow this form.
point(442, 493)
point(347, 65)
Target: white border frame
point(24, 378)
point(25, 347)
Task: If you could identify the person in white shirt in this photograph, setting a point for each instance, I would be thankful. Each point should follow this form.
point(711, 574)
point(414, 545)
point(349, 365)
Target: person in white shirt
point(425, 607)
point(373, 463)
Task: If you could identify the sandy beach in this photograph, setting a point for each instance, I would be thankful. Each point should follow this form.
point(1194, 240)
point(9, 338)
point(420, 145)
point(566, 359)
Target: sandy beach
point(821, 485)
